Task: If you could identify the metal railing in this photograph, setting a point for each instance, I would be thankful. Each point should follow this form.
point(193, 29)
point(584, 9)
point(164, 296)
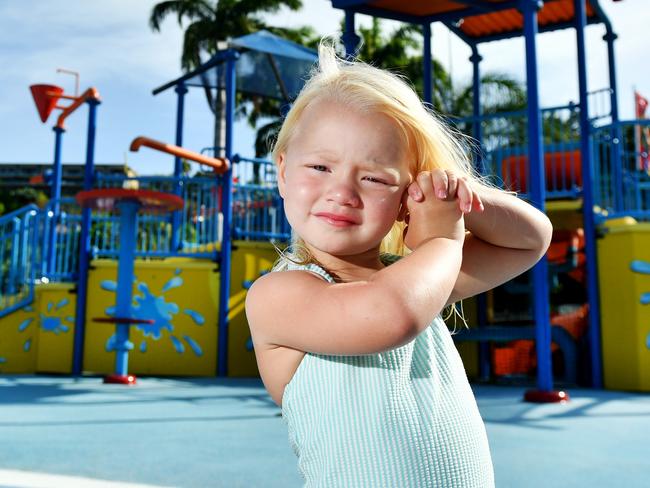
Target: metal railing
point(503, 153)
point(622, 169)
point(18, 248)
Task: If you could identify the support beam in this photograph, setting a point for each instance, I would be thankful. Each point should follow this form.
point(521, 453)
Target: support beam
point(588, 200)
point(427, 65)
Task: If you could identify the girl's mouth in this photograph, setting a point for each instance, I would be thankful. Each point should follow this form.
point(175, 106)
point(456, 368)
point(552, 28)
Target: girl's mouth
point(336, 220)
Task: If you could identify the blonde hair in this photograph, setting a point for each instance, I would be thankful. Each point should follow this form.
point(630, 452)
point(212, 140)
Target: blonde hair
point(366, 89)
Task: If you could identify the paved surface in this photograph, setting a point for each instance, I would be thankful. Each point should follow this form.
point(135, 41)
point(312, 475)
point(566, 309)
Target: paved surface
point(61, 431)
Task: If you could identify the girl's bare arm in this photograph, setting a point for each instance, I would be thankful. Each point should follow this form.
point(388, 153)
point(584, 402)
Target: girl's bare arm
point(505, 240)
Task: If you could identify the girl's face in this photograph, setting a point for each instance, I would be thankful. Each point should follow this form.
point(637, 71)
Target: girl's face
point(342, 178)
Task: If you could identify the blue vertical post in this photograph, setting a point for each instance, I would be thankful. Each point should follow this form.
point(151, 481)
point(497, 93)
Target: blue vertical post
point(427, 87)
point(226, 208)
point(350, 38)
point(588, 201)
point(481, 300)
point(125, 263)
point(541, 309)
point(84, 245)
point(176, 216)
point(617, 135)
point(55, 196)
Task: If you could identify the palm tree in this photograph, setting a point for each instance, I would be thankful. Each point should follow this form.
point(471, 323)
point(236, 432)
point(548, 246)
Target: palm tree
point(211, 24)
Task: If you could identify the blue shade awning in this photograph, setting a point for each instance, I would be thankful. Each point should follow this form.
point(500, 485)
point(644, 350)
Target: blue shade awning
point(268, 66)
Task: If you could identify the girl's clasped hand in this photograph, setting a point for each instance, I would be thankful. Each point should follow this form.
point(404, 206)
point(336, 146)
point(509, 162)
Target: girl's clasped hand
point(434, 204)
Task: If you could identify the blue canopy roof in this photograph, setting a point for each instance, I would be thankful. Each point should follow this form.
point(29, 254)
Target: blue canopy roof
point(268, 65)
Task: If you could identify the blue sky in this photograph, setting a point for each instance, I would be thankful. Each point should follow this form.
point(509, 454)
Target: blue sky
point(110, 44)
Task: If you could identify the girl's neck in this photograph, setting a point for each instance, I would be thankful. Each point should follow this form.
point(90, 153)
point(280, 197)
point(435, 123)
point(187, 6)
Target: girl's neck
point(357, 267)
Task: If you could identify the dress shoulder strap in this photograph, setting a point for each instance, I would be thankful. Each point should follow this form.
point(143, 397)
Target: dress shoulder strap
point(313, 268)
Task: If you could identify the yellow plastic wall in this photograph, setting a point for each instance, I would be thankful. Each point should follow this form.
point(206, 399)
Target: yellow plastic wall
point(39, 338)
point(181, 295)
point(625, 322)
point(249, 260)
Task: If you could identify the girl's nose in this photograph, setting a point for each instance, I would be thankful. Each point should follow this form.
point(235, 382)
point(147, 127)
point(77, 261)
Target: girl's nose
point(343, 194)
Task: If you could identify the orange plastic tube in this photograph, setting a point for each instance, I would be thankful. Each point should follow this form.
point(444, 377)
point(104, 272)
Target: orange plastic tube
point(90, 93)
point(220, 165)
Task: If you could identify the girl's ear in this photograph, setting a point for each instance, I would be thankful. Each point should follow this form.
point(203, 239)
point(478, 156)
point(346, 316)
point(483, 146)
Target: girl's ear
point(281, 174)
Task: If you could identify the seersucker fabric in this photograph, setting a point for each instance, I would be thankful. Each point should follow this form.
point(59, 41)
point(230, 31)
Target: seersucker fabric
point(402, 418)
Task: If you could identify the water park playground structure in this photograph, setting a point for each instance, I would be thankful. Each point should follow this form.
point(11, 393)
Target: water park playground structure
point(174, 282)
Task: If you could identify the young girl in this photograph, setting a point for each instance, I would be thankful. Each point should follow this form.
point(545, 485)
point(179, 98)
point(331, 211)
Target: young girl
point(349, 338)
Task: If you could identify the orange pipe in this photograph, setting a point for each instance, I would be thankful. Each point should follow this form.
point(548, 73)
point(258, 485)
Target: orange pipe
point(89, 94)
point(220, 165)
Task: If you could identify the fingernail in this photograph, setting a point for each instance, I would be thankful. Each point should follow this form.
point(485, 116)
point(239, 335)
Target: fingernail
point(481, 206)
point(468, 208)
point(442, 194)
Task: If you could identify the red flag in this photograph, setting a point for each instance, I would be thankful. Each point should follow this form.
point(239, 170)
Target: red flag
point(640, 104)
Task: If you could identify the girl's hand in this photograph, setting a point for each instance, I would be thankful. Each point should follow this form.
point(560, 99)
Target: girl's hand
point(429, 216)
point(449, 186)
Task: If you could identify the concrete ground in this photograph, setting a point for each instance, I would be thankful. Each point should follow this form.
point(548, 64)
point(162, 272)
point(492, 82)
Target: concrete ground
point(68, 432)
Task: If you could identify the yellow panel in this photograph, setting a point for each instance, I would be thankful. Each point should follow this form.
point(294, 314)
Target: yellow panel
point(625, 321)
point(39, 338)
point(181, 295)
point(249, 260)
point(18, 338)
point(56, 307)
point(468, 350)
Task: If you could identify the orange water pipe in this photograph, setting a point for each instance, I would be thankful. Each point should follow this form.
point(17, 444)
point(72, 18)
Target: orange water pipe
point(89, 94)
point(220, 165)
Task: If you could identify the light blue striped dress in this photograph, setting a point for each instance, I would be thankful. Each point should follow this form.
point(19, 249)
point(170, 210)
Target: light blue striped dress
point(406, 417)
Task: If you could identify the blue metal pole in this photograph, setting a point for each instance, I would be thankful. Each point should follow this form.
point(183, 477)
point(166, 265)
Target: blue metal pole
point(616, 135)
point(176, 217)
point(427, 87)
point(541, 309)
point(125, 263)
point(588, 201)
point(350, 38)
point(226, 208)
point(84, 245)
point(481, 300)
point(55, 195)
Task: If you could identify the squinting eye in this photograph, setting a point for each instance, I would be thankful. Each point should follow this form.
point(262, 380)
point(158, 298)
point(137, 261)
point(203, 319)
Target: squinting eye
point(374, 180)
point(319, 167)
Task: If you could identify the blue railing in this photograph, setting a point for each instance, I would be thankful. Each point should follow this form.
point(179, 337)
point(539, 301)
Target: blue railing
point(503, 154)
point(18, 247)
point(622, 169)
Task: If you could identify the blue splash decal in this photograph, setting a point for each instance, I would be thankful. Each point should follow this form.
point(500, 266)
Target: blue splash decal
point(249, 344)
point(148, 306)
point(175, 282)
point(108, 285)
point(178, 345)
point(642, 267)
point(3, 360)
point(24, 324)
point(195, 347)
point(196, 316)
point(28, 309)
point(53, 324)
point(27, 345)
point(639, 266)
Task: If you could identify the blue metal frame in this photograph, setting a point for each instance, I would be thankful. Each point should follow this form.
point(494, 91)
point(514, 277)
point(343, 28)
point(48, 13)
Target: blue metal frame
point(84, 244)
point(226, 208)
point(55, 196)
point(588, 201)
point(541, 309)
point(427, 87)
point(176, 216)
